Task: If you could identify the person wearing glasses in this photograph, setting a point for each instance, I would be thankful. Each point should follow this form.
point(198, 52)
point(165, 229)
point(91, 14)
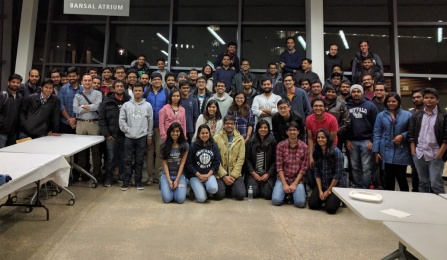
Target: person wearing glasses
point(379, 96)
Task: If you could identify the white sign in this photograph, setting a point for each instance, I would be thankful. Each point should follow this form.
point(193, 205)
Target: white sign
point(97, 7)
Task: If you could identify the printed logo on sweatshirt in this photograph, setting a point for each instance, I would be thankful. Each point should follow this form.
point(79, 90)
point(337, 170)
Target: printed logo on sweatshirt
point(358, 112)
point(204, 158)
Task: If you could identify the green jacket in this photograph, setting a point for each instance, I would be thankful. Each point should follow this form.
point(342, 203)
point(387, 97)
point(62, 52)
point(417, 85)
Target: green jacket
point(231, 160)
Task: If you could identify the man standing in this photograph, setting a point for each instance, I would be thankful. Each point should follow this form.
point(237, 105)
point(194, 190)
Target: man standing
point(31, 86)
point(338, 109)
point(136, 121)
point(368, 85)
point(359, 138)
point(189, 103)
point(379, 96)
point(291, 163)
point(170, 81)
point(237, 83)
point(363, 54)
point(249, 92)
point(345, 91)
point(222, 97)
point(428, 143)
point(10, 102)
point(331, 59)
point(67, 95)
point(193, 75)
point(40, 113)
point(201, 94)
point(108, 122)
point(234, 60)
point(297, 96)
point(306, 71)
point(369, 67)
point(264, 105)
point(290, 60)
point(56, 77)
point(232, 150)
point(273, 74)
point(418, 101)
point(161, 63)
point(225, 73)
point(140, 65)
point(284, 116)
point(86, 105)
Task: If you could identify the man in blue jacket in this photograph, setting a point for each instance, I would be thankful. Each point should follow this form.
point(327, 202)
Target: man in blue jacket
point(363, 115)
point(290, 60)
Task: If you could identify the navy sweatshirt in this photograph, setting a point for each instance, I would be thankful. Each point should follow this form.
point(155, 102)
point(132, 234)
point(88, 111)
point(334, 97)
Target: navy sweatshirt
point(363, 116)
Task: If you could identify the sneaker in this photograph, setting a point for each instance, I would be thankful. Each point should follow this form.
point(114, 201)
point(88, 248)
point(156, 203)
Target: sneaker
point(125, 186)
point(156, 181)
point(107, 183)
point(150, 181)
point(140, 186)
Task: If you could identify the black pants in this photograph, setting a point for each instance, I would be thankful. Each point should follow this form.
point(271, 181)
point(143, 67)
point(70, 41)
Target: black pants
point(237, 190)
point(262, 189)
point(331, 204)
point(414, 179)
point(398, 172)
point(134, 148)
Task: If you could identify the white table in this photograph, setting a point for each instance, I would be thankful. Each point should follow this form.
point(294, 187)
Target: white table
point(25, 169)
point(424, 207)
point(425, 240)
point(443, 196)
point(66, 145)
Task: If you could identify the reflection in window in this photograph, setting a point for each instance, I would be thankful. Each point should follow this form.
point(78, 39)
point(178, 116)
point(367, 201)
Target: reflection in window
point(129, 41)
point(195, 46)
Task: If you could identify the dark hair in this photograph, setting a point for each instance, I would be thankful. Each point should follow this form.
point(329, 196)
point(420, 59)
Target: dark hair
point(156, 75)
point(202, 77)
point(283, 101)
point(161, 59)
point(270, 64)
point(318, 152)
point(308, 60)
point(166, 146)
point(243, 111)
point(332, 44)
point(228, 118)
point(288, 75)
point(47, 81)
point(362, 41)
point(417, 90)
point(221, 81)
point(86, 74)
point(132, 71)
point(368, 58)
point(137, 85)
point(290, 38)
point(170, 74)
point(107, 68)
point(247, 78)
point(226, 55)
point(29, 72)
point(316, 100)
point(336, 65)
point(119, 81)
point(246, 61)
point(430, 91)
point(174, 90)
point(264, 79)
point(55, 70)
point(15, 76)
point(346, 81)
point(94, 69)
point(206, 115)
point(367, 74)
point(293, 124)
point(73, 70)
point(183, 83)
point(231, 44)
point(336, 74)
point(394, 95)
point(261, 147)
point(317, 81)
point(206, 75)
point(193, 70)
point(141, 55)
point(199, 141)
point(302, 80)
point(330, 87)
point(120, 67)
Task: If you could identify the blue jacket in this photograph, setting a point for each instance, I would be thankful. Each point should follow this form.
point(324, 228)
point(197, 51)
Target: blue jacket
point(363, 116)
point(300, 102)
point(157, 101)
point(385, 131)
point(192, 112)
point(292, 61)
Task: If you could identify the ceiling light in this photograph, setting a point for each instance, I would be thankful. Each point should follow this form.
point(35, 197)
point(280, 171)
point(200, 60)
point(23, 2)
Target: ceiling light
point(343, 38)
point(302, 42)
point(162, 38)
point(215, 35)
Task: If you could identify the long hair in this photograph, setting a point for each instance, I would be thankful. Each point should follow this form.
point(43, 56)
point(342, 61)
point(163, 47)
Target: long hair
point(207, 76)
point(242, 111)
point(261, 146)
point(206, 115)
point(166, 146)
point(318, 152)
point(174, 90)
point(199, 141)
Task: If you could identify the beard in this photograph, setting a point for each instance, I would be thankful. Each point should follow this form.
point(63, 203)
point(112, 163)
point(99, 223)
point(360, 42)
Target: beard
point(267, 90)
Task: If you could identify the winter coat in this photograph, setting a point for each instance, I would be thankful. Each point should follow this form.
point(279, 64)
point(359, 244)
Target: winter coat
point(232, 159)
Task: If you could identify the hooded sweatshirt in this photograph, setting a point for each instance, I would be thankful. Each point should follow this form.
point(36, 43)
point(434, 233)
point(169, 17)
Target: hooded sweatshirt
point(224, 103)
point(363, 116)
point(136, 119)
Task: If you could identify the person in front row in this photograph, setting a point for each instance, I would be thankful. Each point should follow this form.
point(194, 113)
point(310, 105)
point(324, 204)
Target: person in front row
point(260, 161)
point(328, 170)
point(202, 162)
point(291, 164)
point(137, 122)
point(232, 150)
point(174, 151)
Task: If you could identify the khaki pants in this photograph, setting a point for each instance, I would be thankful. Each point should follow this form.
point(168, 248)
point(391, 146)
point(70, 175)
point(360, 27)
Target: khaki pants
point(89, 128)
point(153, 165)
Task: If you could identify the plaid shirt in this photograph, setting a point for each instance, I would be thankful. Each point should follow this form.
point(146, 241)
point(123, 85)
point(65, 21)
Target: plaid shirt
point(291, 160)
point(66, 95)
point(242, 123)
point(327, 173)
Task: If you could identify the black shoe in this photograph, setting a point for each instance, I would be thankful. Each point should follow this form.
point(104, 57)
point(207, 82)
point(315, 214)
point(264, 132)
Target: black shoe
point(140, 186)
point(107, 183)
point(125, 186)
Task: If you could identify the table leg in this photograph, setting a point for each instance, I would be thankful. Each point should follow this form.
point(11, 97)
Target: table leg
point(398, 254)
point(79, 168)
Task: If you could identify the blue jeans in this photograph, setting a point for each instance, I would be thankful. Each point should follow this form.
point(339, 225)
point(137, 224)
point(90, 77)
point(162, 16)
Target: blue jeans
point(199, 187)
point(299, 195)
point(114, 153)
point(134, 148)
point(362, 162)
point(168, 194)
point(430, 174)
point(3, 140)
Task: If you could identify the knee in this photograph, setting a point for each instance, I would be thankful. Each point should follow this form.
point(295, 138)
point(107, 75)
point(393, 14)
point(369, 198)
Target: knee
point(219, 195)
point(277, 201)
point(331, 210)
point(300, 204)
point(313, 205)
point(200, 198)
point(212, 189)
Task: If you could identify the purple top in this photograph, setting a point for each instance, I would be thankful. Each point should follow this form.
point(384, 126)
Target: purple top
point(427, 144)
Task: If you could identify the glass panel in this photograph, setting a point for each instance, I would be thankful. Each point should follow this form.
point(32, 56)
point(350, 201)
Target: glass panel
point(204, 10)
point(262, 45)
point(354, 10)
point(265, 10)
point(128, 41)
point(420, 51)
point(408, 84)
point(421, 10)
point(144, 10)
point(58, 14)
point(195, 46)
point(378, 38)
point(76, 44)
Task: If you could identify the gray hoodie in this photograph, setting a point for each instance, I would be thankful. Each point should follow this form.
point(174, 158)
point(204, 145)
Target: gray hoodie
point(224, 102)
point(136, 119)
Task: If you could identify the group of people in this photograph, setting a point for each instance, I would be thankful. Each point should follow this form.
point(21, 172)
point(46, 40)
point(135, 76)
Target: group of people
point(225, 132)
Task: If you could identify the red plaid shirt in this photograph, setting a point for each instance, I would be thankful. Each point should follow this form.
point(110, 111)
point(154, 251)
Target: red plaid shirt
point(291, 160)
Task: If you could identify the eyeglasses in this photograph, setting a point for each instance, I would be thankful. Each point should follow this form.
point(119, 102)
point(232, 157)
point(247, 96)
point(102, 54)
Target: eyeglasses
point(380, 90)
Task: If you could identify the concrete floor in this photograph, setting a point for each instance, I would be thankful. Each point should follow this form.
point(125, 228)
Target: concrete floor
point(106, 223)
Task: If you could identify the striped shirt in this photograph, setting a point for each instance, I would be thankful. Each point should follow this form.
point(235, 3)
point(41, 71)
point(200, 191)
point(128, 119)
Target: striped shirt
point(291, 160)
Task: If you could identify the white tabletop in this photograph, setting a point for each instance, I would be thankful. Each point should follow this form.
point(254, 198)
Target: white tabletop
point(443, 196)
point(28, 168)
point(425, 241)
point(424, 207)
point(65, 145)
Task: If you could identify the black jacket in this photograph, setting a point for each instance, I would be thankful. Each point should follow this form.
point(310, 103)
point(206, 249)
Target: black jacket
point(208, 94)
point(251, 150)
point(10, 113)
point(38, 119)
point(109, 113)
point(279, 127)
point(440, 128)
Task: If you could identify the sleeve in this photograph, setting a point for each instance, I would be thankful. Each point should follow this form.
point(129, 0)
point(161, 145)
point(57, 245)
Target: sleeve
point(218, 60)
point(412, 129)
point(150, 122)
point(240, 158)
point(195, 111)
point(161, 122)
point(377, 134)
point(183, 122)
point(339, 166)
point(123, 119)
point(251, 118)
point(219, 126)
point(61, 97)
point(76, 108)
point(248, 151)
point(23, 110)
point(274, 127)
point(272, 169)
point(255, 107)
point(345, 120)
point(306, 105)
point(199, 122)
point(279, 154)
point(97, 102)
point(379, 63)
point(216, 159)
point(189, 165)
point(305, 162)
point(275, 109)
point(102, 121)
